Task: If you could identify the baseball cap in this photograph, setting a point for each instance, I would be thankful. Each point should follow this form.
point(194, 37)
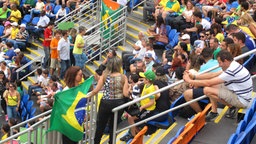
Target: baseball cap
point(199, 44)
point(14, 24)
point(17, 50)
point(149, 74)
point(185, 36)
point(148, 55)
point(160, 71)
point(23, 25)
point(7, 23)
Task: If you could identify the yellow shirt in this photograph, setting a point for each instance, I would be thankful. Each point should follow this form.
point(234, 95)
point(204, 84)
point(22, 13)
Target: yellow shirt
point(147, 90)
point(12, 100)
point(4, 136)
point(220, 37)
point(17, 2)
point(14, 32)
point(174, 6)
point(16, 14)
point(247, 31)
point(79, 40)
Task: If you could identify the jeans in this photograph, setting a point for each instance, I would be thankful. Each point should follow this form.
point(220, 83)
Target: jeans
point(46, 57)
point(16, 44)
point(11, 112)
point(148, 9)
point(34, 31)
point(64, 64)
point(80, 60)
point(32, 87)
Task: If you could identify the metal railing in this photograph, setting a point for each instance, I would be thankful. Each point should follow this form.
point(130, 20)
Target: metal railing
point(34, 61)
point(86, 14)
point(137, 5)
point(104, 38)
point(115, 110)
point(39, 128)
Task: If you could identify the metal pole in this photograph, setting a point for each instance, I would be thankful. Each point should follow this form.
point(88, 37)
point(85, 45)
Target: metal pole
point(115, 127)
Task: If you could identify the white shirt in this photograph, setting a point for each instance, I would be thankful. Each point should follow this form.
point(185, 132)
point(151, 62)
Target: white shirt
point(61, 12)
point(238, 79)
point(139, 44)
point(63, 49)
point(39, 6)
point(206, 24)
point(40, 79)
point(43, 21)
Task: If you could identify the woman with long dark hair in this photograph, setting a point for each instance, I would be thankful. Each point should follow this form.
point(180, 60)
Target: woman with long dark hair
point(115, 89)
point(3, 82)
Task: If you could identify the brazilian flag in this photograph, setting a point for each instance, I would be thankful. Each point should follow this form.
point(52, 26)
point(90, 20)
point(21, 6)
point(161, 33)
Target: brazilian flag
point(68, 111)
point(108, 9)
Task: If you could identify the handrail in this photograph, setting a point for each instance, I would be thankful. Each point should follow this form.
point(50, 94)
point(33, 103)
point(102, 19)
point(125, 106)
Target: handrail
point(25, 131)
point(135, 6)
point(115, 110)
point(27, 64)
point(176, 83)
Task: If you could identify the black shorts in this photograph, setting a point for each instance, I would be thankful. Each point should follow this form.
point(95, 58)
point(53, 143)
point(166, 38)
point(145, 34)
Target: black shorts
point(198, 92)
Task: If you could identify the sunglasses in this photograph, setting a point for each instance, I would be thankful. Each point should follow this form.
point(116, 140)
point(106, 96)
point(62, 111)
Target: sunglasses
point(202, 36)
point(207, 34)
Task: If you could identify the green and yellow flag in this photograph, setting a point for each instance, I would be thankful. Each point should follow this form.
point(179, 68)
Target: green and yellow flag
point(108, 9)
point(68, 111)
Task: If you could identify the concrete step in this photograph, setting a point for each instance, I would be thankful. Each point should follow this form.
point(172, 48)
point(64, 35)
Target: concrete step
point(136, 28)
point(36, 51)
point(138, 14)
point(134, 20)
point(133, 37)
point(32, 79)
point(25, 84)
point(140, 9)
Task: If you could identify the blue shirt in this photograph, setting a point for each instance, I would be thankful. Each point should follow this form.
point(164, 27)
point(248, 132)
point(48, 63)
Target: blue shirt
point(232, 5)
point(249, 42)
point(211, 63)
point(10, 53)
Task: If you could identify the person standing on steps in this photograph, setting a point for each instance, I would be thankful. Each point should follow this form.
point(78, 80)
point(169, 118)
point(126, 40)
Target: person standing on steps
point(46, 44)
point(80, 57)
point(63, 53)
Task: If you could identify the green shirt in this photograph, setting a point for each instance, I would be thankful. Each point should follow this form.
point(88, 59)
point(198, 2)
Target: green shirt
point(4, 15)
point(215, 52)
point(30, 2)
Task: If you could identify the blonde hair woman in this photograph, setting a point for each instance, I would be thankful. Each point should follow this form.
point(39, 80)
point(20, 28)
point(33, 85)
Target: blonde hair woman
point(247, 21)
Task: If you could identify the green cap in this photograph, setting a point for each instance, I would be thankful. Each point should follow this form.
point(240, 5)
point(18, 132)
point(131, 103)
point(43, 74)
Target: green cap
point(149, 74)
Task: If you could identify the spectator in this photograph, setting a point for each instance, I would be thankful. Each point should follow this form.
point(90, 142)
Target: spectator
point(247, 21)
point(249, 42)
point(40, 26)
point(115, 89)
point(3, 13)
point(46, 44)
point(63, 53)
point(238, 91)
point(80, 57)
point(13, 122)
point(54, 53)
point(48, 9)
point(14, 31)
point(149, 61)
point(19, 88)
point(224, 44)
point(5, 129)
point(12, 98)
point(39, 79)
point(198, 19)
point(239, 38)
point(214, 45)
point(20, 39)
point(217, 32)
point(9, 53)
point(27, 6)
point(38, 9)
point(186, 39)
point(235, 50)
point(7, 30)
point(61, 12)
point(5, 69)
point(72, 39)
point(20, 61)
point(149, 8)
point(15, 15)
point(3, 83)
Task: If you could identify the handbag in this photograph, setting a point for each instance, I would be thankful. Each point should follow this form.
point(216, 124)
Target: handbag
point(163, 39)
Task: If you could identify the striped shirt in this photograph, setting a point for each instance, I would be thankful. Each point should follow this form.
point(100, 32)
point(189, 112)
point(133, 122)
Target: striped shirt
point(238, 79)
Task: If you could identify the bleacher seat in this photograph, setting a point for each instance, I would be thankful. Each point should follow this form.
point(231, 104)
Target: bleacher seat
point(172, 140)
point(23, 114)
point(168, 30)
point(248, 64)
point(29, 106)
point(241, 127)
point(186, 136)
point(232, 138)
point(248, 116)
point(181, 129)
point(26, 19)
point(177, 102)
point(35, 20)
point(53, 5)
point(1, 30)
point(67, 10)
point(138, 139)
point(25, 99)
point(56, 8)
point(32, 113)
point(172, 34)
point(253, 107)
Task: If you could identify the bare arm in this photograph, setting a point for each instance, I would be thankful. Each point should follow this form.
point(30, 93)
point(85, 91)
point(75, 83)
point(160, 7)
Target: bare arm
point(151, 102)
point(126, 87)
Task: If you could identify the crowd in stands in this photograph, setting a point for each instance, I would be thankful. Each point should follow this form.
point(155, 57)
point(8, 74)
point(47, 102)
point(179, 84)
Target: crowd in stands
point(209, 33)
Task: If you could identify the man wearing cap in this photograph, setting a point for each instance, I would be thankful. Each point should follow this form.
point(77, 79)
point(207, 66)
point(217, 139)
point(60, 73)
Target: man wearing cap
point(21, 37)
point(149, 61)
point(186, 39)
point(15, 15)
